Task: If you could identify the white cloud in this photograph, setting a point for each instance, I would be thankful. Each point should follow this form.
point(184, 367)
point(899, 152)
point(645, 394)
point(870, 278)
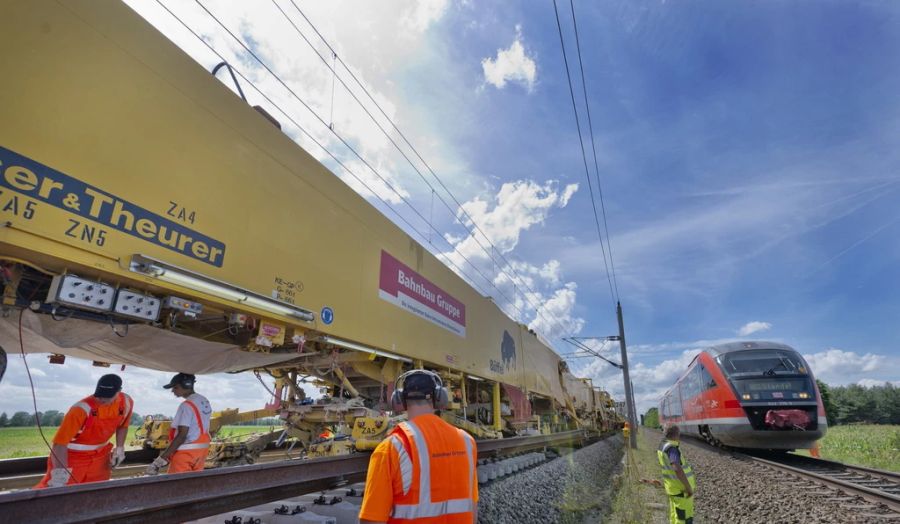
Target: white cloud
point(550, 271)
point(518, 206)
point(555, 317)
point(511, 65)
point(424, 13)
point(871, 382)
point(521, 287)
point(836, 366)
point(650, 381)
point(567, 194)
point(753, 327)
point(59, 386)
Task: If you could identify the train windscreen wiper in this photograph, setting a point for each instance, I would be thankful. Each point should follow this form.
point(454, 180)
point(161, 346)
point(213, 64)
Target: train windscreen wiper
point(771, 371)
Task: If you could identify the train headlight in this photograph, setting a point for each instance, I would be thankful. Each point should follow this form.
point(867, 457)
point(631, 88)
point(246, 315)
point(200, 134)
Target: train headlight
point(746, 396)
point(804, 395)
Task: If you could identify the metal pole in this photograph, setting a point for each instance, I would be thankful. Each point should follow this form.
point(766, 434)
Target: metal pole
point(629, 394)
point(633, 407)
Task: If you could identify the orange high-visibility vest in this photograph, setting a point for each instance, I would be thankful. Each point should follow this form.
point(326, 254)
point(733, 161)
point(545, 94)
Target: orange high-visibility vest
point(426, 456)
point(190, 456)
point(96, 431)
point(202, 441)
point(88, 451)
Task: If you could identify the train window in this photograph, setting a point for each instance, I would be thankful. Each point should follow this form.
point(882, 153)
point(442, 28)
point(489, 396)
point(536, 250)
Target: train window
point(695, 382)
point(675, 407)
point(690, 386)
point(767, 362)
point(706, 380)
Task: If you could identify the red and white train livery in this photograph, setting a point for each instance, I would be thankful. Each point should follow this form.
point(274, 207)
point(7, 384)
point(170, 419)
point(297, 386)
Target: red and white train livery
point(747, 395)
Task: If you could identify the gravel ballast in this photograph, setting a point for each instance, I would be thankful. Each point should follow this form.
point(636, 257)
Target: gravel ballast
point(576, 487)
point(731, 489)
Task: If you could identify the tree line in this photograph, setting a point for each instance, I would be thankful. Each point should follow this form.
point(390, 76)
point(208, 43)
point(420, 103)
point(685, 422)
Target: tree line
point(853, 404)
point(52, 417)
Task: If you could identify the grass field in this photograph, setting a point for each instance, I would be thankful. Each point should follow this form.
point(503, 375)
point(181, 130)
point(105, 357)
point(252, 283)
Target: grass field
point(27, 442)
point(637, 502)
point(864, 445)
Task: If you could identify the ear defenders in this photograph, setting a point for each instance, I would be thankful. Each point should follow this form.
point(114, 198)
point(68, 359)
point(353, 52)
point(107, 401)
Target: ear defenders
point(440, 398)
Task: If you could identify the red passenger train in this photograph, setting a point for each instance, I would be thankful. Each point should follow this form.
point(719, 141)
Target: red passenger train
point(747, 395)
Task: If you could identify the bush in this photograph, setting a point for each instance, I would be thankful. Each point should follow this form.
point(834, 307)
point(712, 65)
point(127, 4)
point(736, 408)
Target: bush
point(651, 418)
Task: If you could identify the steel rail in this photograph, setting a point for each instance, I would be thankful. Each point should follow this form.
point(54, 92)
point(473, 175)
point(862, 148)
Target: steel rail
point(22, 466)
point(871, 494)
point(29, 477)
point(862, 470)
point(177, 498)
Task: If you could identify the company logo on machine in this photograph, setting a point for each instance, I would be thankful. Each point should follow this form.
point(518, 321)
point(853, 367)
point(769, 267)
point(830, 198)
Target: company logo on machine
point(406, 289)
point(44, 184)
point(507, 355)
point(327, 315)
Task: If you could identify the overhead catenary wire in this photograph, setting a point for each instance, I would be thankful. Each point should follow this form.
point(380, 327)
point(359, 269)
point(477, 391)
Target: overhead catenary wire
point(351, 148)
point(587, 173)
point(332, 155)
point(511, 302)
point(517, 279)
point(584, 347)
point(459, 205)
point(305, 132)
point(587, 107)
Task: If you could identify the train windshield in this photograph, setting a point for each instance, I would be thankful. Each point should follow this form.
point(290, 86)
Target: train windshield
point(765, 362)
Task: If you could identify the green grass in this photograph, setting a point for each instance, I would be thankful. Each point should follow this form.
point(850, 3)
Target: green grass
point(638, 502)
point(27, 442)
point(872, 446)
point(239, 431)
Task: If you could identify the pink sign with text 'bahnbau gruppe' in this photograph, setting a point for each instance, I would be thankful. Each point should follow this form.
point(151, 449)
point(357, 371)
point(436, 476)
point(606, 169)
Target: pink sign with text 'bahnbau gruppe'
point(408, 290)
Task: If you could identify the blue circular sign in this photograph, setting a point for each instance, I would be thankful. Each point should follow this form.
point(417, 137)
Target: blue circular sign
point(327, 315)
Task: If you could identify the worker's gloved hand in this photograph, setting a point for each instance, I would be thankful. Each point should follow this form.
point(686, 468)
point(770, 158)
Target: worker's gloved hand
point(156, 465)
point(59, 477)
point(117, 457)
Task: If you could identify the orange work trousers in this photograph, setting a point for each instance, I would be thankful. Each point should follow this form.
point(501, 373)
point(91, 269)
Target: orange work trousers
point(86, 466)
point(186, 460)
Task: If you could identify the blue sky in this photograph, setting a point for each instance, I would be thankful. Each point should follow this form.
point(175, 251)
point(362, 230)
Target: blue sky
point(746, 152)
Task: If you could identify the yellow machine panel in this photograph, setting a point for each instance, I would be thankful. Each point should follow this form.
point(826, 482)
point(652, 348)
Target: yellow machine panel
point(139, 151)
point(125, 162)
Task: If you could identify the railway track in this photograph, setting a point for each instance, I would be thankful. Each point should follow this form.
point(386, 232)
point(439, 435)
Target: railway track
point(877, 487)
point(25, 473)
point(177, 498)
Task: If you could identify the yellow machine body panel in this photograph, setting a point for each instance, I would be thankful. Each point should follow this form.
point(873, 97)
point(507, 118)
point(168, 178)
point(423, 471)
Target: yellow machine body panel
point(579, 391)
point(115, 143)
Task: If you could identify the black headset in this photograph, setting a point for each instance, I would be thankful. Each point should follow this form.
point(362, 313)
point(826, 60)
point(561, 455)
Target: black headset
point(440, 398)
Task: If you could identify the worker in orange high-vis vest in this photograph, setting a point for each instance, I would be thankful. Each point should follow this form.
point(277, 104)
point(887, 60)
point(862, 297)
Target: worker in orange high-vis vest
point(424, 471)
point(189, 436)
point(81, 451)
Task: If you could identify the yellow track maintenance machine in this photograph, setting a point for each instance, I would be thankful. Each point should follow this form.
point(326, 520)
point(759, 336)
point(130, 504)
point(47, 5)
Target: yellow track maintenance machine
point(150, 217)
